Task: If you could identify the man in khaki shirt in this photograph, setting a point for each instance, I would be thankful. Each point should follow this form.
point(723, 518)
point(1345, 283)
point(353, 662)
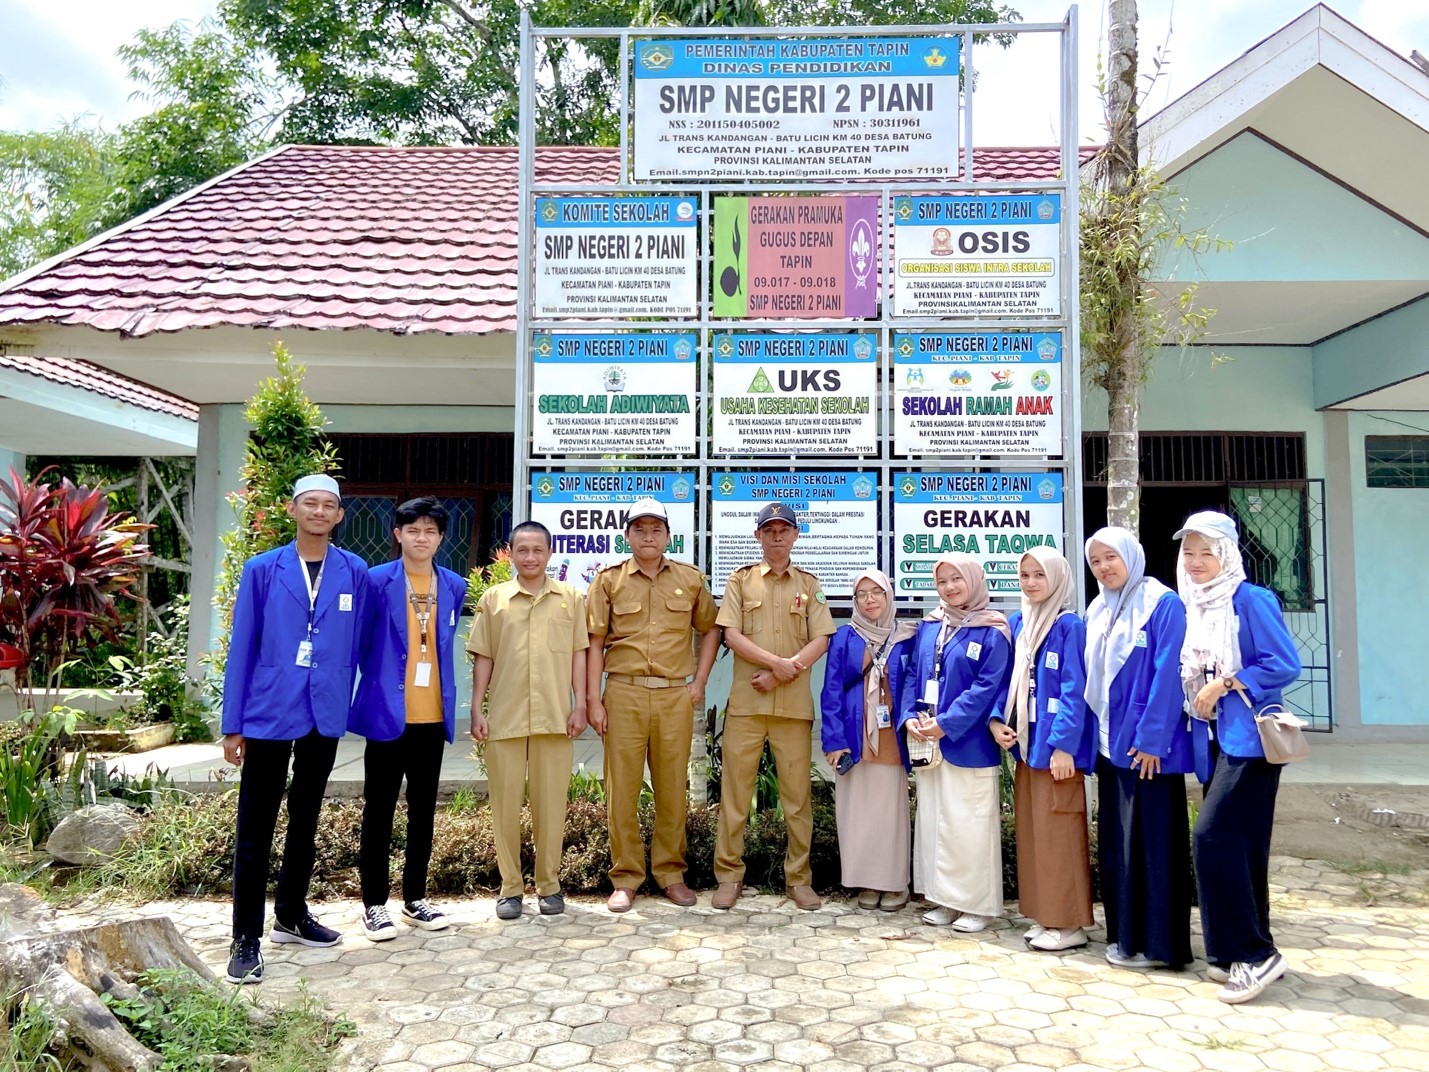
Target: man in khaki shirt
point(529, 638)
point(641, 614)
point(777, 622)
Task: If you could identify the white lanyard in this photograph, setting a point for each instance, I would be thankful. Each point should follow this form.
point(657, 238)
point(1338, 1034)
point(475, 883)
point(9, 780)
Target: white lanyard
point(313, 584)
point(424, 606)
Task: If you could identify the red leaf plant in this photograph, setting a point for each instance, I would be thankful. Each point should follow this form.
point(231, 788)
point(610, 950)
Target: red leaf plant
point(64, 560)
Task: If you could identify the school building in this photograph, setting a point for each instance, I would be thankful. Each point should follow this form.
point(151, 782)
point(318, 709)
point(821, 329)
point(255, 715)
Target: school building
point(391, 274)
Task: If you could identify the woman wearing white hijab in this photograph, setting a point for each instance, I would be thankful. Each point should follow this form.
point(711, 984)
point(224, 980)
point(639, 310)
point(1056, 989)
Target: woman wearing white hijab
point(1236, 658)
point(1134, 632)
point(958, 671)
point(856, 707)
point(1044, 723)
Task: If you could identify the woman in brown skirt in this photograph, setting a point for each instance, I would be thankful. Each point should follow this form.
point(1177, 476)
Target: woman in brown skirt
point(1046, 725)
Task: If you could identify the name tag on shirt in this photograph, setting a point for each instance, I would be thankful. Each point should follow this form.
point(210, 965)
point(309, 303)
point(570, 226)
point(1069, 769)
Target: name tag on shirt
point(451, 617)
point(344, 601)
point(1053, 661)
point(885, 716)
point(1053, 706)
point(1141, 638)
point(422, 677)
point(974, 650)
point(930, 693)
point(305, 653)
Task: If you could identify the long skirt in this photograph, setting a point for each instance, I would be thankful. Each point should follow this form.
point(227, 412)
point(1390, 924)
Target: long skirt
point(1054, 871)
point(1143, 849)
point(871, 804)
point(957, 839)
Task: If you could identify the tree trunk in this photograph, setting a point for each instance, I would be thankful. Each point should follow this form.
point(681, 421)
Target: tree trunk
point(1124, 385)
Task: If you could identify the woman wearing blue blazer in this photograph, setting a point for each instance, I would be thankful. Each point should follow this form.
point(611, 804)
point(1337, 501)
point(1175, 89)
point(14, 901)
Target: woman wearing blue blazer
point(1235, 660)
point(856, 708)
point(1044, 723)
point(958, 671)
point(406, 708)
point(1134, 633)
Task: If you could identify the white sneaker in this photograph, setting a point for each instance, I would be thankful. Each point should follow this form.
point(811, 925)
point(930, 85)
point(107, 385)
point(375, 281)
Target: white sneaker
point(1248, 981)
point(1053, 940)
point(377, 923)
point(425, 915)
point(970, 924)
point(1136, 961)
point(938, 917)
point(1033, 932)
point(1218, 975)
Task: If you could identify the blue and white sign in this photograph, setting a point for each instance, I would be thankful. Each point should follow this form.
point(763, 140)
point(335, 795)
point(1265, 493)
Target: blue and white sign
point(838, 522)
point(996, 517)
point(978, 255)
point(629, 393)
point(604, 257)
point(586, 515)
point(787, 393)
point(810, 108)
point(966, 393)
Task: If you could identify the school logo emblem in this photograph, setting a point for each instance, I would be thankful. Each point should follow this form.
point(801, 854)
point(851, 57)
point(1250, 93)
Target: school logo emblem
point(684, 349)
point(1047, 489)
point(614, 379)
point(935, 57)
point(549, 212)
point(863, 348)
point(760, 385)
point(863, 488)
point(1041, 380)
point(542, 347)
point(903, 346)
point(1047, 350)
point(903, 208)
point(724, 347)
point(726, 485)
point(681, 490)
point(545, 487)
point(685, 210)
point(907, 486)
point(1045, 209)
point(655, 57)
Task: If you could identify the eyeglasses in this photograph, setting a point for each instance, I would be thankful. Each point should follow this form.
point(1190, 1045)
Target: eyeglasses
point(867, 594)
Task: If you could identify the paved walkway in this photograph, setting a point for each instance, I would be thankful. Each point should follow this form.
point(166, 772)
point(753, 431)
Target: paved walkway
point(767, 988)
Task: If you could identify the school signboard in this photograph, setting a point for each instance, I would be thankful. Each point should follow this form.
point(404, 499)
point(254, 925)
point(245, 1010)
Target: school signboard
point(585, 512)
point(996, 517)
point(804, 108)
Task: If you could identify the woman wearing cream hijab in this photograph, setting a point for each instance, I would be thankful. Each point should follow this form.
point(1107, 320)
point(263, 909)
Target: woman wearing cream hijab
point(1045, 724)
point(958, 672)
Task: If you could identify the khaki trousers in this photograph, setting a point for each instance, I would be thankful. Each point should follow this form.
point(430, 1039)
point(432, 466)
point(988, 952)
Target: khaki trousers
point(791, 741)
point(544, 762)
point(654, 726)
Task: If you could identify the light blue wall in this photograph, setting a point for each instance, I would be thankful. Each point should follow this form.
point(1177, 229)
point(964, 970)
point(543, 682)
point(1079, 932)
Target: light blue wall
point(1384, 351)
point(1390, 579)
point(10, 459)
point(419, 420)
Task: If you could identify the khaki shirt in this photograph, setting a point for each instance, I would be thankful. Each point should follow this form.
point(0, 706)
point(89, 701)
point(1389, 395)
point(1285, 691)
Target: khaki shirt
point(531, 641)
point(649, 625)
point(781, 614)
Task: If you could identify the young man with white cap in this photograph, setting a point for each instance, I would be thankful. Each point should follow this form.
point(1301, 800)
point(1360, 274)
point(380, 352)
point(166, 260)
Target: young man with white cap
point(642, 614)
point(292, 653)
point(777, 622)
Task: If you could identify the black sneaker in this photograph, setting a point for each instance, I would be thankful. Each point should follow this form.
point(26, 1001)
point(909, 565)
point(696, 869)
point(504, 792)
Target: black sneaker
point(377, 923)
point(553, 904)
point(245, 961)
point(508, 908)
point(424, 915)
point(1248, 981)
point(307, 931)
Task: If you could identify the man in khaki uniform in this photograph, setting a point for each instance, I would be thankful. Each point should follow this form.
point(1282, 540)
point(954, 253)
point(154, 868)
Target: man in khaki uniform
point(777, 622)
point(529, 638)
point(642, 614)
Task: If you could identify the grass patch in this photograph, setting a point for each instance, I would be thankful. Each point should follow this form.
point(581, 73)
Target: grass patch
point(1217, 1042)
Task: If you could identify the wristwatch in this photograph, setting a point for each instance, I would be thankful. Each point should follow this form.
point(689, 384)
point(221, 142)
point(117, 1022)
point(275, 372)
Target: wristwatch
point(1228, 683)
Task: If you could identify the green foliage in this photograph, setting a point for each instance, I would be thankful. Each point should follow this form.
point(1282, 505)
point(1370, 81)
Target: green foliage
point(26, 1042)
point(159, 674)
point(55, 189)
point(286, 443)
point(184, 848)
point(497, 571)
point(31, 776)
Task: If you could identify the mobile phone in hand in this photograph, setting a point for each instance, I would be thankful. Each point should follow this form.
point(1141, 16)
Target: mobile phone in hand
point(845, 763)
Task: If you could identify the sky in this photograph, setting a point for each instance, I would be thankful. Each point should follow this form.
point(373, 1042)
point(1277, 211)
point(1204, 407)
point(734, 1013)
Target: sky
point(57, 57)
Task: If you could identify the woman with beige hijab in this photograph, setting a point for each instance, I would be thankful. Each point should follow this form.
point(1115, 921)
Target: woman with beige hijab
point(958, 672)
point(856, 707)
point(1044, 723)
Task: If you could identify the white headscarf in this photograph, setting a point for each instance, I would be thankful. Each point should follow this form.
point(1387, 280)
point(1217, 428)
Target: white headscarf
point(1115, 617)
point(1212, 629)
point(879, 637)
point(1037, 622)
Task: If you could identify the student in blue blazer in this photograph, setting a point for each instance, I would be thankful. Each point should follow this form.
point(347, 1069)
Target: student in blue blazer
point(406, 708)
point(287, 685)
point(1045, 724)
point(958, 673)
point(1237, 657)
point(1134, 633)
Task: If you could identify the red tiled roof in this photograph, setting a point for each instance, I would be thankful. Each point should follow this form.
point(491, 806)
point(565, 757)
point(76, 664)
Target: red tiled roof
point(387, 239)
point(101, 381)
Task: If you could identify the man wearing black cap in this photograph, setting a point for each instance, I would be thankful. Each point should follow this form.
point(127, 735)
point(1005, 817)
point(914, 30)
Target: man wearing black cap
point(777, 622)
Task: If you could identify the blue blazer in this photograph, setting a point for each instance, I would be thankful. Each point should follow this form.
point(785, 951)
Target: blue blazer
point(967, 692)
point(841, 704)
point(266, 695)
point(1271, 663)
point(1146, 705)
point(379, 712)
point(1063, 719)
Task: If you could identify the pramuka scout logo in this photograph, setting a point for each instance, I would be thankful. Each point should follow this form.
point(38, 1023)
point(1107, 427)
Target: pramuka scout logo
point(860, 252)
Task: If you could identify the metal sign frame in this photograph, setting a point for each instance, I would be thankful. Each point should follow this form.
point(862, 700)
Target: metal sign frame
point(703, 463)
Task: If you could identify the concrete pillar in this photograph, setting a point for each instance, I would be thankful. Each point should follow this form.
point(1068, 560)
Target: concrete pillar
point(1340, 559)
point(11, 459)
point(222, 437)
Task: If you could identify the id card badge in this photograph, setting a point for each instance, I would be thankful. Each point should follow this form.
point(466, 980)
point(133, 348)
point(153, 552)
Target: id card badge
point(885, 717)
point(974, 651)
point(305, 653)
point(930, 692)
point(422, 677)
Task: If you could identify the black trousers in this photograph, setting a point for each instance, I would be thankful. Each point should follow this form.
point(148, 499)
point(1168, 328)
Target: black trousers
point(1144, 859)
point(417, 754)
point(1232, 849)
point(260, 794)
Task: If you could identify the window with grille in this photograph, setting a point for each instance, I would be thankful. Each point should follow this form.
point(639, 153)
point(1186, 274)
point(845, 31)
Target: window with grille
point(1396, 461)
